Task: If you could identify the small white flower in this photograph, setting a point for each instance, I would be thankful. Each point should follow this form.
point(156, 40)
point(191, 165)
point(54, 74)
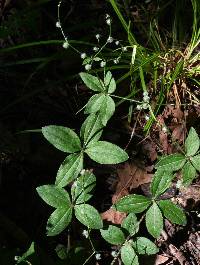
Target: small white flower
point(124, 49)
point(88, 67)
point(108, 21)
point(66, 44)
point(16, 258)
point(138, 107)
point(114, 254)
point(146, 117)
point(83, 55)
point(58, 24)
point(98, 256)
point(102, 63)
point(83, 172)
point(146, 98)
point(95, 49)
point(145, 105)
point(164, 129)
point(116, 61)
point(85, 233)
point(97, 36)
point(107, 16)
point(145, 93)
point(117, 42)
point(110, 39)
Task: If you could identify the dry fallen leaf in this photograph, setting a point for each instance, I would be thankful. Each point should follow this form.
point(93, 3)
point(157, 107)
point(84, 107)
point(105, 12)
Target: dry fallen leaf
point(113, 216)
point(162, 259)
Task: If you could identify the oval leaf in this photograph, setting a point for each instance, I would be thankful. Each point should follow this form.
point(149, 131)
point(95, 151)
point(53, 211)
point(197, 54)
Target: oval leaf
point(131, 224)
point(132, 204)
point(113, 235)
point(92, 82)
point(196, 162)
point(154, 220)
point(62, 138)
point(88, 215)
point(109, 82)
point(189, 173)
point(161, 181)
point(107, 109)
point(58, 221)
point(91, 129)
point(69, 169)
point(106, 153)
point(128, 255)
point(54, 195)
point(172, 212)
point(94, 104)
point(192, 143)
point(171, 162)
point(144, 246)
point(82, 186)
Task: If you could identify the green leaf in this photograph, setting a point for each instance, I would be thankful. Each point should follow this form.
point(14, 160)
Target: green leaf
point(88, 215)
point(92, 82)
point(154, 220)
point(172, 212)
point(192, 142)
point(110, 83)
point(144, 246)
point(131, 224)
point(82, 186)
point(171, 162)
point(128, 255)
point(189, 173)
point(113, 235)
point(54, 195)
point(132, 203)
point(27, 254)
point(58, 221)
point(161, 181)
point(91, 129)
point(107, 109)
point(196, 162)
point(106, 153)
point(62, 138)
point(69, 169)
point(94, 104)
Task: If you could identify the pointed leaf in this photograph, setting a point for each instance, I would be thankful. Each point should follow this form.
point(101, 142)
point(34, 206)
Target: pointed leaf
point(62, 138)
point(106, 153)
point(172, 212)
point(128, 255)
point(107, 109)
point(54, 195)
point(69, 169)
point(132, 204)
point(131, 224)
point(161, 182)
point(88, 215)
point(144, 246)
point(171, 162)
point(58, 221)
point(154, 220)
point(94, 104)
point(113, 235)
point(192, 143)
point(28, 253)
point(91, 129)
point(82, 186)
point(189, 173)
point(110, 83)
point(92, 82)
point(196, 162)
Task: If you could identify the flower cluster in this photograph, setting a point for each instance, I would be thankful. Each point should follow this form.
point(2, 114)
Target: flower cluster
point(145, 103)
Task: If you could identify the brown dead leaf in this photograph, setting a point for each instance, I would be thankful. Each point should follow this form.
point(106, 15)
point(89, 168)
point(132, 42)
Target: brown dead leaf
point(113, 216)
point(162, 259)
point(178, 132)
point(149, 148)
point(131, 176)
